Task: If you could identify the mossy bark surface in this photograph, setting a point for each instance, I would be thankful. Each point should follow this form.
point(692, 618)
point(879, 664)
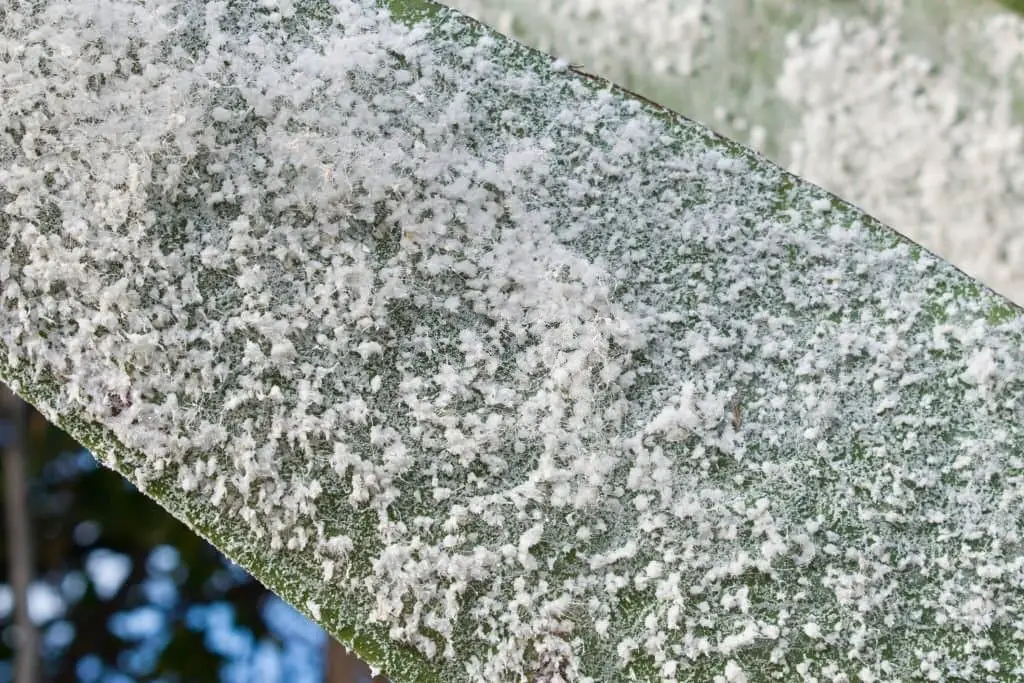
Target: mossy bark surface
point(495, 370)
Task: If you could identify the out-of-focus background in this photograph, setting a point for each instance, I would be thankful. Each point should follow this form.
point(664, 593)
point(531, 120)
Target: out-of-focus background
point(912, 109)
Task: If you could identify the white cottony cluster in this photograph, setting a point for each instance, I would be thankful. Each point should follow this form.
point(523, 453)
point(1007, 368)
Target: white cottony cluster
point(545, 384)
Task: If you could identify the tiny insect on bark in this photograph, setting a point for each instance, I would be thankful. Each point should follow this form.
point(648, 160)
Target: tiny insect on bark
point(578, 69)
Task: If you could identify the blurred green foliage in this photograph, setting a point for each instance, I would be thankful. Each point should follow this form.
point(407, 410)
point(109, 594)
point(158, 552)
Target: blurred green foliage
point(1016, 5)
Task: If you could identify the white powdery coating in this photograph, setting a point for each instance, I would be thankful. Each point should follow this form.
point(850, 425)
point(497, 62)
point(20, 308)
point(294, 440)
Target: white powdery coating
point(930, 143)
point(551, 389)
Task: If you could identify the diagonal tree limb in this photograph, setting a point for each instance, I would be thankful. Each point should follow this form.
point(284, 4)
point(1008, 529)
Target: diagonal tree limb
point(497, 373)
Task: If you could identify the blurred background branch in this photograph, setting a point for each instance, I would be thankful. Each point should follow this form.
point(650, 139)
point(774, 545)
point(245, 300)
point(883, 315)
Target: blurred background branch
point(13, 415)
